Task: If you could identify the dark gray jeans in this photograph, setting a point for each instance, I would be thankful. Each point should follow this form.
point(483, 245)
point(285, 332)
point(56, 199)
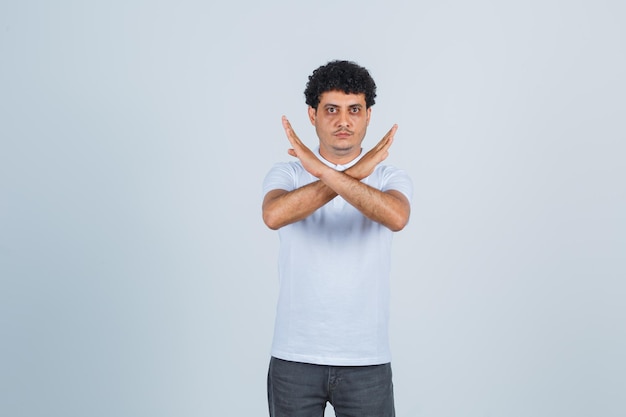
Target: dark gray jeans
point(297, 389)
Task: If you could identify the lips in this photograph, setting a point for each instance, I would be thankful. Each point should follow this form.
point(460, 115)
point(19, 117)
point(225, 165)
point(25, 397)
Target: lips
point(343, 134)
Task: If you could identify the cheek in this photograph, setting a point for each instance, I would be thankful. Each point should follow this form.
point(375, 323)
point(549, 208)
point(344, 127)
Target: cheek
point(359, 119)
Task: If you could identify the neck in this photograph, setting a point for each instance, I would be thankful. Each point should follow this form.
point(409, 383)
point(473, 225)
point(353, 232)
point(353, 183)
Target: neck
point(340, 156)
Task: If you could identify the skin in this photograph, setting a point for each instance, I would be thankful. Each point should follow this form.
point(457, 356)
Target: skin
point(341, 122)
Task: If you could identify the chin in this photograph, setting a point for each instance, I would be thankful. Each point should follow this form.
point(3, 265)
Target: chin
point(343, 149)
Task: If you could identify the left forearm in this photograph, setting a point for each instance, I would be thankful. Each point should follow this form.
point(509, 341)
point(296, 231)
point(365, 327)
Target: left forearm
point(391, 208)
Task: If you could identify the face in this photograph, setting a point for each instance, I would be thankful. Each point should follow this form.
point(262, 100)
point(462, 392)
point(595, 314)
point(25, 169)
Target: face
point(340, 121)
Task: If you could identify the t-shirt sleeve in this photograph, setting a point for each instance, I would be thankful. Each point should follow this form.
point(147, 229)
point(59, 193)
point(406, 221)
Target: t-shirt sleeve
point(282, 176)
point(399, 180)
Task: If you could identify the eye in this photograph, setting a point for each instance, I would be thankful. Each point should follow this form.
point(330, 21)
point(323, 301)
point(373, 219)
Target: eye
point(355, 109)
point(332, 110)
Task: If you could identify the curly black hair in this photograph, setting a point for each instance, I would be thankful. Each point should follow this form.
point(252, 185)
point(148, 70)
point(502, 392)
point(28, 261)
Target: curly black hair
point(345, 76)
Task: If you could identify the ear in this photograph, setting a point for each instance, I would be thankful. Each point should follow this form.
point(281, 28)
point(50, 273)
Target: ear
point(369, 114)
point(312, 114)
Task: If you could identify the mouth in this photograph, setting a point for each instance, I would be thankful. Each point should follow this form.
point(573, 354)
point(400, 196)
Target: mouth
point(343, 134)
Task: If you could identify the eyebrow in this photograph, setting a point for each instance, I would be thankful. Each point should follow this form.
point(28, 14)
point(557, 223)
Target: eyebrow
point(349, 105)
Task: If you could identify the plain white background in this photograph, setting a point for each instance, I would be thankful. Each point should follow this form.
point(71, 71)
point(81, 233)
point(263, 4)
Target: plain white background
point(136, 275)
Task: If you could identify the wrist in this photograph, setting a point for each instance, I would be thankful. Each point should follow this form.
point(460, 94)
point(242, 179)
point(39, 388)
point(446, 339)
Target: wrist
point(325, 171)
point(354, 172)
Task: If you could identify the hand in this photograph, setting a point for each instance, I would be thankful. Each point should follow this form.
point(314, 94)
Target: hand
point(309, 161)
point(375, 156)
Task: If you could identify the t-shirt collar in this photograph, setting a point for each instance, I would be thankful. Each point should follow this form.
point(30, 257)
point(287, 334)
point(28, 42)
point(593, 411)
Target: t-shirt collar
point(336, 166)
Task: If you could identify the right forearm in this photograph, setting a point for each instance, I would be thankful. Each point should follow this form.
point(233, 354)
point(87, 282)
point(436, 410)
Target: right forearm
point(283, 208)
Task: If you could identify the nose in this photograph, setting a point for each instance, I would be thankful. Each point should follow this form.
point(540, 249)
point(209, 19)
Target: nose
point(344, 119)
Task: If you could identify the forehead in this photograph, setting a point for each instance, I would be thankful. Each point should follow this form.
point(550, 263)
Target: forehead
point(339, 98)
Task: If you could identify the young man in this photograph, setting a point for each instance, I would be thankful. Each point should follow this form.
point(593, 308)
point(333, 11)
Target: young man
point(335, 209)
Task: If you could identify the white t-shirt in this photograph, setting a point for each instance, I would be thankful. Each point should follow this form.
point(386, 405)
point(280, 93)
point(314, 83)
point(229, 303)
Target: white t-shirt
point(333, 304)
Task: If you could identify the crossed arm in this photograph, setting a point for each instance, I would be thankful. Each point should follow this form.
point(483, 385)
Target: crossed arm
point(390, 208)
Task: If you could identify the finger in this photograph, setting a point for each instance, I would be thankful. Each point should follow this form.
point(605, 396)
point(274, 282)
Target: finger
point(291, 135)
point(392, 132)
point(389, 134)
point(394, 129)
point(286, 124)
point(386, 141)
